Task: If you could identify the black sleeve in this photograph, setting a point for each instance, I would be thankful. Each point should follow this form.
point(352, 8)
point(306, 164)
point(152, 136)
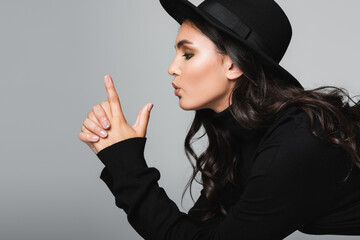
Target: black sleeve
point(195, 214)
point(289, 185)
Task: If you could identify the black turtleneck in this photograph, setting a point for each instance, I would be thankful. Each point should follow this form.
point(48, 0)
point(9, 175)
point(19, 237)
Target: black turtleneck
point(245, 141)
point(249, 139)
point(290, 180)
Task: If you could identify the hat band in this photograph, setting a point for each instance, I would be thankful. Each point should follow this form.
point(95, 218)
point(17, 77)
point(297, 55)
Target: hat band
point(233, 22)
point(226, 17)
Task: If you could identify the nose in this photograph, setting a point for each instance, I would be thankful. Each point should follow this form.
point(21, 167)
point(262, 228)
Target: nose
point(173, 70)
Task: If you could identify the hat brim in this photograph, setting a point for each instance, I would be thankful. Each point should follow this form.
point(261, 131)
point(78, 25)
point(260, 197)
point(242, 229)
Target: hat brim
point(183, 9)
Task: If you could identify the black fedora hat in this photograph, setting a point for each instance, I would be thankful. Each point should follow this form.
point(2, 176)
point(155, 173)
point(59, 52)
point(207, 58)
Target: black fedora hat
point(261, 25)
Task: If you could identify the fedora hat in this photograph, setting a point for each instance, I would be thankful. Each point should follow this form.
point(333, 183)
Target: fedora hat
point(260, 25)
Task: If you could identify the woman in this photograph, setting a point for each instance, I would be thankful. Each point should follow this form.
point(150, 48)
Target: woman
point(279, 159)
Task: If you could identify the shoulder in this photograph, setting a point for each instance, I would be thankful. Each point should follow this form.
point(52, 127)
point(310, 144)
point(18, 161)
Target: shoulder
point(292, 125)
point(289, 144)
point(288, 120)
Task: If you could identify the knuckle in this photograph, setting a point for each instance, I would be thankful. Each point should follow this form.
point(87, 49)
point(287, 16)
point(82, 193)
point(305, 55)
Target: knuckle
point(91, 115)
point(96, 107)
point(84, 129)
point(82, 137)
point(87, 122)
point(114, 98)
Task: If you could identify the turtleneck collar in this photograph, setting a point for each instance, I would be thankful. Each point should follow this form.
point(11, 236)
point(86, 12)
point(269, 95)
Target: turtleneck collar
point(228, 121)
point(244, 142)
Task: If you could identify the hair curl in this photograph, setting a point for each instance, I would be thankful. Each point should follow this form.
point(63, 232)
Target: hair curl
point(258, 95)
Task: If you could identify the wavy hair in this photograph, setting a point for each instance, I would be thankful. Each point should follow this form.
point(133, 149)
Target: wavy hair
point(258, 96)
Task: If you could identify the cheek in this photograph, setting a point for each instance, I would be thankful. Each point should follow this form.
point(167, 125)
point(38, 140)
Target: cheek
point(204, 76)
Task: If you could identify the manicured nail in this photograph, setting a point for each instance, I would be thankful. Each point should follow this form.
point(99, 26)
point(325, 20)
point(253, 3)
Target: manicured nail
point(95, 138)
point(103, 133)
point(107, 78)
point(150, 107)
point(106, 124)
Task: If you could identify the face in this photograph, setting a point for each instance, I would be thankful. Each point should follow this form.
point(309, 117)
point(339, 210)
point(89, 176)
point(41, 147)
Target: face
point(204, 77)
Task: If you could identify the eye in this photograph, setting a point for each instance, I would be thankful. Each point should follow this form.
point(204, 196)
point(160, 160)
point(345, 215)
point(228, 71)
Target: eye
point(187, 56)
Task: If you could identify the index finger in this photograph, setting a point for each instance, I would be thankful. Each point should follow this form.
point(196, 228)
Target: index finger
point(113, 98)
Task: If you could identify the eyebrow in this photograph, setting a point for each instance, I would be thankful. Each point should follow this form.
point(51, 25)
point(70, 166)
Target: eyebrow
point(182, 42)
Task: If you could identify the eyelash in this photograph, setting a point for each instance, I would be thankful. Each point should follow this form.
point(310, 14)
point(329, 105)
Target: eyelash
point(187, 56)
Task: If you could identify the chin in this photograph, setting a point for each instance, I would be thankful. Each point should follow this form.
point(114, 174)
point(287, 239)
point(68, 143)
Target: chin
point(185, 107)
point(189, 106)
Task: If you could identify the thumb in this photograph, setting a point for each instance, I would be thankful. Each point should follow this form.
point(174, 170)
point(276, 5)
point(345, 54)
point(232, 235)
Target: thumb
point(143, 119)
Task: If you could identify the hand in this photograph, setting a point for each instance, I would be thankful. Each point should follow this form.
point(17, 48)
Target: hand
point(119, 128)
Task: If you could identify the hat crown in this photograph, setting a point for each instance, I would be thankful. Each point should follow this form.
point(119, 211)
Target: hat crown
point(269, 29)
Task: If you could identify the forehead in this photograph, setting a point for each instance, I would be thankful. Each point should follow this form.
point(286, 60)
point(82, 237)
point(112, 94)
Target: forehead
point(188, 29)
point(191, 33)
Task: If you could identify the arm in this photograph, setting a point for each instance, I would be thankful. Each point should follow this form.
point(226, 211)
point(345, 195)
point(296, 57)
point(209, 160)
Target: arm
point(193, 214)
point(288, 187)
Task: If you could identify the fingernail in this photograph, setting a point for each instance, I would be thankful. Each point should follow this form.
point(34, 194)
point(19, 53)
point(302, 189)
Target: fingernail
point(107, 78)
point(95, 138)
point(106, 124)
point(150, 107)
point(103, 133)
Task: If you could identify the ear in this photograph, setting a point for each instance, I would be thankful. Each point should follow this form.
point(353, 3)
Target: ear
point(231, 70)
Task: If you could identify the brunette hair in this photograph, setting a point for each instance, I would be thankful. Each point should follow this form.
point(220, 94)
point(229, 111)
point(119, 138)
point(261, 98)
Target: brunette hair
point(258, 96)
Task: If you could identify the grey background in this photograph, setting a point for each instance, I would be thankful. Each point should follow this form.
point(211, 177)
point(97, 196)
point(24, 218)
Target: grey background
point(53, 57)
